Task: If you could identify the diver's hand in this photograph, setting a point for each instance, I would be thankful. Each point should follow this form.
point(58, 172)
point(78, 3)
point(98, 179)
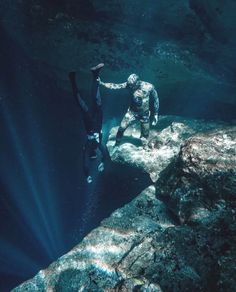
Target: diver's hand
point(89, 179)
point(101, 167)
point(100, 81)
point(155, 120)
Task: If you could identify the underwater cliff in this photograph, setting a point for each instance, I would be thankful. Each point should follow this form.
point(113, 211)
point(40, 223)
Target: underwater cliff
point(178, 234)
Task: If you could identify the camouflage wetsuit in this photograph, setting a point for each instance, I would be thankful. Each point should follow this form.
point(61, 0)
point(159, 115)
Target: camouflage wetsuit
point(143, 95)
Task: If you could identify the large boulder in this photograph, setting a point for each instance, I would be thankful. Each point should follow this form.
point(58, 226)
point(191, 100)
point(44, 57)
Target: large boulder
point(203, 177)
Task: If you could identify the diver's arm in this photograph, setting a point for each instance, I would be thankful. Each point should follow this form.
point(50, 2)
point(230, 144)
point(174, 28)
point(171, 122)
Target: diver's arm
point(103, 152)
point(155, 100)
point(103, 158)
point(155, 105)
point(86, 160)
point(112, 85)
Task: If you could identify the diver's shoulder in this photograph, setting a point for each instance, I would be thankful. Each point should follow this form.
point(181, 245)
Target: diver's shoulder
point(147, 85)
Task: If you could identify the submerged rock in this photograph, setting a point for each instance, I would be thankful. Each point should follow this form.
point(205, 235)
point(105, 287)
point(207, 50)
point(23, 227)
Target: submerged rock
point(178, 235)
point(203, 177)
point(164, 143)
point(98, 262)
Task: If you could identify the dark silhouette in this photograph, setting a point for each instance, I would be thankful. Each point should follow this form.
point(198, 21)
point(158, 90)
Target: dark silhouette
point(92, 118)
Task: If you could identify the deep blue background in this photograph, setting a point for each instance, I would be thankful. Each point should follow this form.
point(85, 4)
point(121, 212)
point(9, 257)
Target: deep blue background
point(46, 207)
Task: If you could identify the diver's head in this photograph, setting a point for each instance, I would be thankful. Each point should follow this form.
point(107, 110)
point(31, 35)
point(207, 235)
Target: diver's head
point(133, 81)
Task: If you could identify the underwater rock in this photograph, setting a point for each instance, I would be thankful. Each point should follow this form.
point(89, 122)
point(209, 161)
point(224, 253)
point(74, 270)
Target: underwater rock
point(164, 143)
point(203, 177)
point(96, 263)
point(178, 235)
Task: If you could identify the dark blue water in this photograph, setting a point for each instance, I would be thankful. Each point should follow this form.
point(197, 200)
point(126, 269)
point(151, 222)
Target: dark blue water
point(46, 207)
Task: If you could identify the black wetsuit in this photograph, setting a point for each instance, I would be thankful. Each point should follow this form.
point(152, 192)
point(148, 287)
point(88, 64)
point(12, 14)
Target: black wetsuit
point(93, 123)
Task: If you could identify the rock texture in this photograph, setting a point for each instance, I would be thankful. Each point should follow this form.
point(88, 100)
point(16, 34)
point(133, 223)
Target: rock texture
point(164, 143)
point(203, 177)
point(99, 263)
point(186, 48)
point(177, 235)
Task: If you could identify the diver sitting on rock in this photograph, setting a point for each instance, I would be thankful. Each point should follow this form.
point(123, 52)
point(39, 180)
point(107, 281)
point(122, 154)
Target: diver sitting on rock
point(92, 121)
point(143, 96)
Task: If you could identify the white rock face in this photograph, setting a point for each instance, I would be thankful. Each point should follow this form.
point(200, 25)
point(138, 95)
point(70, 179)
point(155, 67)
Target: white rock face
point(103, 250)
point(164, 143)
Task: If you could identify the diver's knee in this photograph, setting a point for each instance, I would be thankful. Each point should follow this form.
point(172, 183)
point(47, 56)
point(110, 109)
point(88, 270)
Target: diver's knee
point(145, 132)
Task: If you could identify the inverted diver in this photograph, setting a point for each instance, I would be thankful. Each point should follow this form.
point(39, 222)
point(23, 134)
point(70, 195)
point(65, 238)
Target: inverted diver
point(92, 118)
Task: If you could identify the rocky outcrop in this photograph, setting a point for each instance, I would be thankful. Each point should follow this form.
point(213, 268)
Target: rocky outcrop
point(177, 235)
point(204, 176)
point(164, 143)
point(99, 263)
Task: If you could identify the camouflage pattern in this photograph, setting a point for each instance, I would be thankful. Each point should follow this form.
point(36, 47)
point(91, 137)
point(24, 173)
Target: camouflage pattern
point(143, 94)
point(130, 117)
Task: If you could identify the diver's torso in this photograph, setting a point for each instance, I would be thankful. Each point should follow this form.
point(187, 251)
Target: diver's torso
point(94, 122)
point(140, 98)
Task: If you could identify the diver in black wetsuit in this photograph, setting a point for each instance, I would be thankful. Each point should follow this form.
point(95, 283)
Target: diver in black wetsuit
point(92, 121)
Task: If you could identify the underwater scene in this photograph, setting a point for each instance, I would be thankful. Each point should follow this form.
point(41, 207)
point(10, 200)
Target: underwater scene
point(118, 145)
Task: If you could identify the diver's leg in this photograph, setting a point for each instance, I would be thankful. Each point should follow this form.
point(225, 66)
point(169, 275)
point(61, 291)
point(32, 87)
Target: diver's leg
point(82, 104)
point(96, 96)
point(145, 128)
point(125, 123)
point(96, 69)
